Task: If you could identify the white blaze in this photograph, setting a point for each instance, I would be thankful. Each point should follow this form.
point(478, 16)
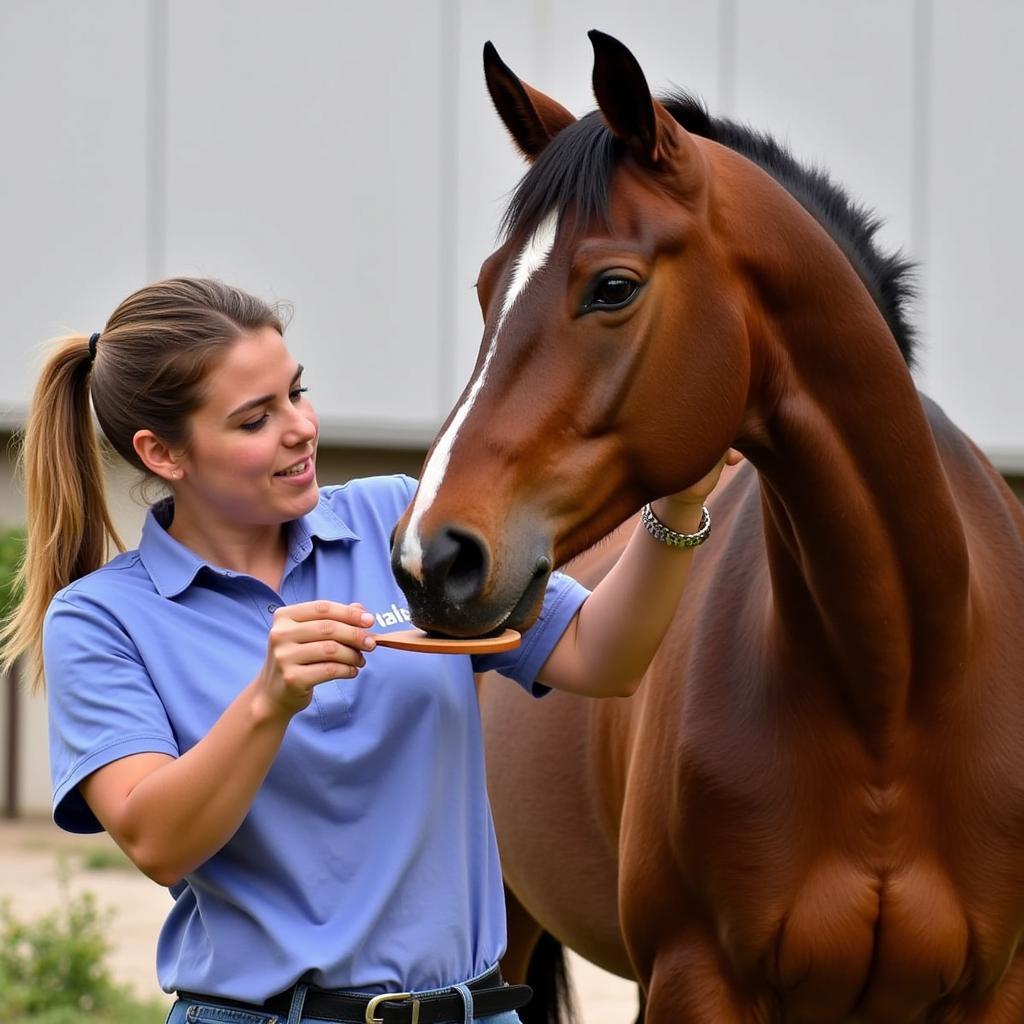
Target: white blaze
point(533, 256)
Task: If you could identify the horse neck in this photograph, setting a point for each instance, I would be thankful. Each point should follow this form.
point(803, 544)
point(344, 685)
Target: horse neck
point(865, 544)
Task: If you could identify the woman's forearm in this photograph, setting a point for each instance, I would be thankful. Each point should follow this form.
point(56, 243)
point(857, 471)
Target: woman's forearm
point(184, 811)
point(619, 627)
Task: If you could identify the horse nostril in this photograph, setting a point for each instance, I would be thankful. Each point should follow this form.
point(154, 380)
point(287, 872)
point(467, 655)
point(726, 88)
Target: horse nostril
point(457, 562)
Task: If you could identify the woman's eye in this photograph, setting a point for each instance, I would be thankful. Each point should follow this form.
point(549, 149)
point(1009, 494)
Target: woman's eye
point(613, 293)
point(294, 395)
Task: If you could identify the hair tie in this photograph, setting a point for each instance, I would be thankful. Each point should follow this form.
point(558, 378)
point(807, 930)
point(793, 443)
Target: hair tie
point(92, 344)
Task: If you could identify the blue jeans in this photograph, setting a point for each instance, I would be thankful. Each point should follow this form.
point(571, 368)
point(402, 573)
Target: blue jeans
point(188, 1012)
point(195, 1011)
point(205, 1013)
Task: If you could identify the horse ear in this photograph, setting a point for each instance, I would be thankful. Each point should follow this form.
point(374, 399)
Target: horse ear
point(625, 99)
point(532, 118)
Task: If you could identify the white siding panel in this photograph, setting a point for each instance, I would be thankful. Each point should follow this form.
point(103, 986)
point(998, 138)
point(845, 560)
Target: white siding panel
point(675, 41)
point(303, 151)
point(487, 164)
point(835, 81)
point(346, 157)
point(72, 176)
point(976, 221)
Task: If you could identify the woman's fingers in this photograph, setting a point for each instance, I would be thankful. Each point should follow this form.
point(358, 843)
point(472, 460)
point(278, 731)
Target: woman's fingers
point(324, 620)
point(308, 611)
point(322, 631)
point(320, 652)
point(700, 491)
point(302, 677)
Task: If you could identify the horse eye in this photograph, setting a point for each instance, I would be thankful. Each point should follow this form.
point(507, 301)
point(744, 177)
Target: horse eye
point(612, 293)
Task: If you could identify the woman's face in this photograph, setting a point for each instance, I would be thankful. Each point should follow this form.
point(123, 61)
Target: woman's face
point(251, 457)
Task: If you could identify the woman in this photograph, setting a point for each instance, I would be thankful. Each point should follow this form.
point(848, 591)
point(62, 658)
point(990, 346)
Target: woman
point(315, 806)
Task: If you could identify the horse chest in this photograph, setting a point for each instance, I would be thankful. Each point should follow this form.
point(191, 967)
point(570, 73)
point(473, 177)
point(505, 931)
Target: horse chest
point(885, 948)
point(852, 901)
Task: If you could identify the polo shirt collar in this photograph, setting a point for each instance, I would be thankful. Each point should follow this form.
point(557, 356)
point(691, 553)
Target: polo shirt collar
point(173, 567)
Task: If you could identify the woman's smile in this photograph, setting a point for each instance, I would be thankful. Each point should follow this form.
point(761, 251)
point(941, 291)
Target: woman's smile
point(300, 474)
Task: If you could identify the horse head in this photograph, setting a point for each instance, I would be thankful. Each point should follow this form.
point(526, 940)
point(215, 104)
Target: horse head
point(614, 365)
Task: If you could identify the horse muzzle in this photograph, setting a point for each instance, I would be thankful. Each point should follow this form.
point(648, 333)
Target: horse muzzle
point(462, 590)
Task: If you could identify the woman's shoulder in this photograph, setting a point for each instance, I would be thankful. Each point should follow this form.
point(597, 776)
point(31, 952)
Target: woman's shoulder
point(370, 495)
point(122, 576)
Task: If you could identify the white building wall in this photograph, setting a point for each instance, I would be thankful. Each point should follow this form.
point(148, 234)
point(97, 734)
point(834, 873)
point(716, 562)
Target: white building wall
point(344, 156)
point(972, 221)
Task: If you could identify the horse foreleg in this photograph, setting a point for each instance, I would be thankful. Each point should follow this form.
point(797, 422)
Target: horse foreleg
point(536, 958)
point(523, 934)
point(688, 986)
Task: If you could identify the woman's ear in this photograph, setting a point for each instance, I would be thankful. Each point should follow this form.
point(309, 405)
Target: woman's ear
point(157, 457)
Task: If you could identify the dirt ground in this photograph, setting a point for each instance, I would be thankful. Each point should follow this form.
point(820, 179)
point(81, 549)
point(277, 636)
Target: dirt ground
point(30, 854)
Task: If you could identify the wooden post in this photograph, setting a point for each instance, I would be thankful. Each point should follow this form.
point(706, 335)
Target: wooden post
point(11, 786)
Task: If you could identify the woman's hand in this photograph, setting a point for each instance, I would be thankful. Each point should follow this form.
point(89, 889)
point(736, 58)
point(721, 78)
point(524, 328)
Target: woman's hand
point(698, 493)
point(684, 507)
point(310, 644)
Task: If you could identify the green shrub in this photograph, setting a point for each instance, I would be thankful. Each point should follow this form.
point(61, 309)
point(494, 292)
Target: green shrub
point(12, 549)
point(53, 971)
point(106, 858)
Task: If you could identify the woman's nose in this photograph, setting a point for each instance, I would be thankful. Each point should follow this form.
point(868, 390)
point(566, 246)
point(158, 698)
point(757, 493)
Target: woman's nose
point(304, 428)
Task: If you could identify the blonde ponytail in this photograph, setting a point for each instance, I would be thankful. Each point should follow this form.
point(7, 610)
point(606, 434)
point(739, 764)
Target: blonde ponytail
point(69, 527)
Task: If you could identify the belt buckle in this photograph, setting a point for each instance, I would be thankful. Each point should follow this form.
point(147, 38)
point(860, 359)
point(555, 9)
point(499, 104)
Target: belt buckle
point(391, 997)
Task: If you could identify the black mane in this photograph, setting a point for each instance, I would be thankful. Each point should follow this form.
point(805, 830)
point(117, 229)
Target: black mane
point(575, 169)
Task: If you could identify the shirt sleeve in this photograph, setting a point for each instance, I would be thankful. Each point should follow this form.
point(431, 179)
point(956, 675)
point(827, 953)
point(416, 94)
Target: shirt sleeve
point(562, 601)
point(101, 700)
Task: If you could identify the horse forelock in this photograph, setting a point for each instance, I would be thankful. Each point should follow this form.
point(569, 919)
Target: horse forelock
point(574, 171)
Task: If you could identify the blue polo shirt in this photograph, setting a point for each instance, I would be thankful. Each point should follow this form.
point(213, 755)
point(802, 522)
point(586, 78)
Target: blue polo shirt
point(368, 858)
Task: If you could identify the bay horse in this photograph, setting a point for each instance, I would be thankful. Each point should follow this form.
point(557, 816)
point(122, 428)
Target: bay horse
point(812, 810)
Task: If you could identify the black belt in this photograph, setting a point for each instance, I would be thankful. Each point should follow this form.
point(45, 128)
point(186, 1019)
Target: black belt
point(490, 995)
